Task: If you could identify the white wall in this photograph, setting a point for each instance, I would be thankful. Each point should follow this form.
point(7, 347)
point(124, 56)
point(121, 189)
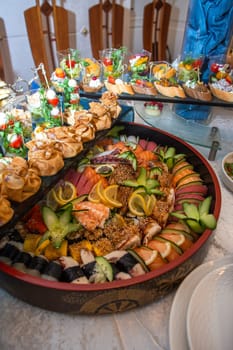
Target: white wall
point(15, 47)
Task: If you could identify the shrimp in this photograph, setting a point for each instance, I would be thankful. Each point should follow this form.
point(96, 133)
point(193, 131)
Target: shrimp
point(121, 146)
point(145, 157)
point(91, 215)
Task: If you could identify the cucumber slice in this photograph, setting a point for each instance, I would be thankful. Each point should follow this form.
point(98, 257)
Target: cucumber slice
point(170, 163)
point(151, 183)
point(141, 180)
point(155, 171)
point(49, 217)
point(44, 238)
point(105, 267)
point(131, 183)
point(195, 226)
point(73, 202)
point(209, 221)
point(186, 234)
point(179, 157)
point(65, 218)
point(179, 215)
point(170, 153)
point(98, 275)
point(155, 191)
point(82, 164)
point(191, 211)
point(79, 199)
point(204, 206)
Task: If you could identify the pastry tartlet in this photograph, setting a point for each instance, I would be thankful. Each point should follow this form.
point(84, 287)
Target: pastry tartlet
point(144, 87)
point(197, 90)
point(169, 88)
point(118, 86)
point(221, 81)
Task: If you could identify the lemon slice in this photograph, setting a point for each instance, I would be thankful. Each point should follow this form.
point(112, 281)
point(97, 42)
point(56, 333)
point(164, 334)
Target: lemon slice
point(181, 240)
point(106, 196)
point(51, 201)
point(100, 192)
point(94, 194)
point(97, 194)
point(150, 259)
point(140, 203)
point(118, 220)
point(110, 195)
point(177, 238)
point(64, 193)
point(150, 204)
point(140, 190)
point(147, 254)
point(137, 204)
point(164, 248)
point(167, 250)
point(150, 200)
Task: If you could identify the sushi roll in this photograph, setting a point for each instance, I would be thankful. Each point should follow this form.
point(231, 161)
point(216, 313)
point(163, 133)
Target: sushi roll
point(9, 251)
point(37, 265)
point(52, 271)
point(126, 262)
point(97, 269)
point(72, 271)
point(21, 261)
point(89, 267)
point(17, 235)
point(3, 242)
point(119, 275)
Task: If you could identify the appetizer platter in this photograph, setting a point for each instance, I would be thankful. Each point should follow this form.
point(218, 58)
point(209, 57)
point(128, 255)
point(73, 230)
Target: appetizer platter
point(144, 207)
point(95, 211)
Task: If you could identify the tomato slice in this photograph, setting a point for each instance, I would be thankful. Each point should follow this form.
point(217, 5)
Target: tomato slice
point(214, 67)
point(111, 80)
point(107, 61)
point(34, 221)
point(70, 63)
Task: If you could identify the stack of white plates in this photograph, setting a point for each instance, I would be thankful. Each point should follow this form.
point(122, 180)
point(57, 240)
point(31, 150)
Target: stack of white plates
point(201, 316)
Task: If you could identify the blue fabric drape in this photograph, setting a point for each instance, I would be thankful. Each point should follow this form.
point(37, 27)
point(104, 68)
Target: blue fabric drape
point(209, 29)
point(208, 33)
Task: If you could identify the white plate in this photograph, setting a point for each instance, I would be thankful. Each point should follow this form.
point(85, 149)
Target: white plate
point(210, 311)
point(177, 320)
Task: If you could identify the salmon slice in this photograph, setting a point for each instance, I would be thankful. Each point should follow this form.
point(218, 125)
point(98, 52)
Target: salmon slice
point(165, 248)
point(145, 157)
point(152, 258)
point(91, 215)
point(179, 239)
point(87, 180)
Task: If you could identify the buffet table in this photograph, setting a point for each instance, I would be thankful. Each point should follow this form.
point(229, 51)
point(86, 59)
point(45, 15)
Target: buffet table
point(27, 327)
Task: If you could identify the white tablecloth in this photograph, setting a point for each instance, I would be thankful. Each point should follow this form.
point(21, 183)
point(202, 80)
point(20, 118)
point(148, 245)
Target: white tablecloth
point(24, 327)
